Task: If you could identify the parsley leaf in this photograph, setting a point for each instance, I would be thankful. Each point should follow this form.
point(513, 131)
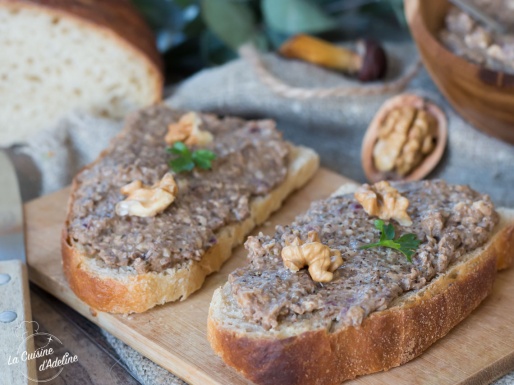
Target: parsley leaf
point(186, 160)
point(182, 164)
point(406, 244)
point(203, 158)
point(179, 148)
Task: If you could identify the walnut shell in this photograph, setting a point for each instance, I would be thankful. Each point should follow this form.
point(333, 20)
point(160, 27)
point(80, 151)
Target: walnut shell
point(429, 161)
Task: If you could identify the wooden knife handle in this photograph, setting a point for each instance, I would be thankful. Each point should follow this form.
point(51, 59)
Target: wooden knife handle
point(15, 334)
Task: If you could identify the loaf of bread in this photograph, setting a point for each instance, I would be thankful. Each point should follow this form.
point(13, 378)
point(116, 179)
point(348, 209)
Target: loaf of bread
point(58, 55)
point(125, 263)
point(280, 327)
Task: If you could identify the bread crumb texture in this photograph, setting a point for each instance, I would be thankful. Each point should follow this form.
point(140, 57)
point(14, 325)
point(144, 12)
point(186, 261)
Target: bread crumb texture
point(52, 63)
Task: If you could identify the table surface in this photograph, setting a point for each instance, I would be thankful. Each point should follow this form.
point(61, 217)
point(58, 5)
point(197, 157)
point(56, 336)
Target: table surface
point(98, 363)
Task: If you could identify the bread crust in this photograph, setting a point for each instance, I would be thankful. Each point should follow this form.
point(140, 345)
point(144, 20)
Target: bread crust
point(118, 20)
point(384, 340)
point(120, 291)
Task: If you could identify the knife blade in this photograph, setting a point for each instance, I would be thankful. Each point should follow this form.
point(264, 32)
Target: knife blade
point(14, 290)
point(12, 243)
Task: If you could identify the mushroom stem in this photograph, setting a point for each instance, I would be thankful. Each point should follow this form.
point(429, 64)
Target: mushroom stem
point(370, 64)
point(322, 53)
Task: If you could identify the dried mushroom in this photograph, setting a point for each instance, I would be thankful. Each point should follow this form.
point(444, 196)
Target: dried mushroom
point(321, 260)
point(367, 63)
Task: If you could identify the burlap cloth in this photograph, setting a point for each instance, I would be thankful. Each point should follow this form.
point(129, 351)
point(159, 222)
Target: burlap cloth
point(334, 127)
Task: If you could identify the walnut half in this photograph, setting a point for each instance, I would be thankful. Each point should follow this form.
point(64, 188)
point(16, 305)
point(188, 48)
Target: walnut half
point(384, 201)
point(321, 259)
point(405, 137)
point(405, 140)
point(187, 130)
point(147, 201)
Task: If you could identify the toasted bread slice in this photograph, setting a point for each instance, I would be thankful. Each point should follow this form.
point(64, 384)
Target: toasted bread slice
point(123, 290)
point(302, 352)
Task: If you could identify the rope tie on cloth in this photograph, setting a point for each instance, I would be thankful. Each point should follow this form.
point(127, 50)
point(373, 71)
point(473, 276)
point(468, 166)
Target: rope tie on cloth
point(249, 53)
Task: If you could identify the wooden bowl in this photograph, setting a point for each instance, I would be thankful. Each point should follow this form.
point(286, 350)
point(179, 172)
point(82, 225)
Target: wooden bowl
point(371, 137)
point(483, 97)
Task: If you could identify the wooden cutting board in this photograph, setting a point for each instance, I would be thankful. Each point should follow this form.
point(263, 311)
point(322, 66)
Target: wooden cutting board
point(477, 351)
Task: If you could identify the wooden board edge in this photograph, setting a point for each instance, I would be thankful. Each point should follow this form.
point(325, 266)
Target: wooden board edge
point(121, 331)
point(493, 372)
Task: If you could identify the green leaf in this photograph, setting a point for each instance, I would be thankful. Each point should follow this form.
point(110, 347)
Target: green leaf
point(184, 3)
point(204, 164)
point(260, 40)
point(389, 231)
point(182, 164)
point(275, 38)
point(384, 9)
point(187, 161)
point(203, 159)
point(409, 240)
point(406, 244)
point(194, 27)
point(370, 245)
point(156, 12)
point(390, 243)
point(296, 16)
point(204, 154)
point(213, 51)
point(180, 148)
point(379, 224)
point(232, 21)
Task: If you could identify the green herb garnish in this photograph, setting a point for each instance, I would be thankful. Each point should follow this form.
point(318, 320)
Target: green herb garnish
point(406, 244)
point(187, 160)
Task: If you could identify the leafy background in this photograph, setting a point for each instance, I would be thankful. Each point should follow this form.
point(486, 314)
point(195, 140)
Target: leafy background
point(193, 34)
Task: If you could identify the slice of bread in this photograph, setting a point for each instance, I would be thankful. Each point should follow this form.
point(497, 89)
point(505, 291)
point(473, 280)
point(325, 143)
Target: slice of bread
point(304, 353)
point(98, 56)
point(122, 290)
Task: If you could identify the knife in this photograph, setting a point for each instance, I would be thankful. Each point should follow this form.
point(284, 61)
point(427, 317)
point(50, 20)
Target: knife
point(14, 286)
